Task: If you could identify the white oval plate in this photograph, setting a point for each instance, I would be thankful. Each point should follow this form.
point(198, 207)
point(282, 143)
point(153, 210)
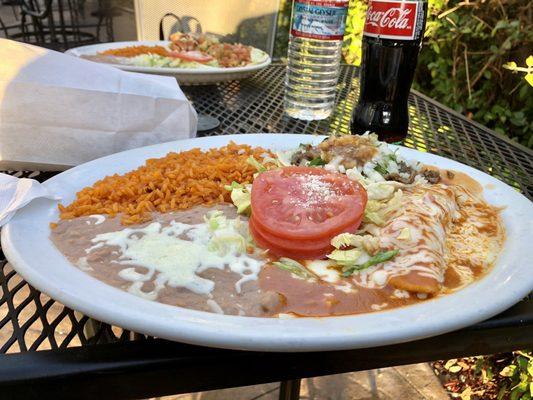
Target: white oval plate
point(27, 246)
point(197, 76)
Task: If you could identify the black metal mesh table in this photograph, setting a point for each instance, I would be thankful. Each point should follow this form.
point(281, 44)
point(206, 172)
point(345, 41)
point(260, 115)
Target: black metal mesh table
point(95, 359)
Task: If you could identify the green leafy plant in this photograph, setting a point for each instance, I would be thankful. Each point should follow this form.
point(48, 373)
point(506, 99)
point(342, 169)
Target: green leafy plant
point(466, 48)
point(528, 69)
point(520, 377)
point(462, 63)
point(351, 47)
point(355, 21)
point(507, 376)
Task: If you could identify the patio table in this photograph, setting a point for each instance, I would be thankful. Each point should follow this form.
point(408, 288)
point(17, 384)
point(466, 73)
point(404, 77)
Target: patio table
point(50, 351)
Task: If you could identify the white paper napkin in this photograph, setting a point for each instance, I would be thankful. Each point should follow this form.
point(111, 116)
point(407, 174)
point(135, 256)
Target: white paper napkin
point(57, 110)
point(15, 193)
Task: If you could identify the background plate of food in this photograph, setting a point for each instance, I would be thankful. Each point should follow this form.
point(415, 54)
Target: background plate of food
point(191, 59)
point(278, 242)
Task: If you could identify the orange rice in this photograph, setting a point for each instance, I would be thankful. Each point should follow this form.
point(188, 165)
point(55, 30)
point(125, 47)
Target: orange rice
point(133, 51)
point(175, 182)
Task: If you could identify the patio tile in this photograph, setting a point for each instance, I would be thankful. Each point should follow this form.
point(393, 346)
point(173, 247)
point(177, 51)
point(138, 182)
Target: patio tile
point(269, 391)
point(409, 382)
point(421, 377)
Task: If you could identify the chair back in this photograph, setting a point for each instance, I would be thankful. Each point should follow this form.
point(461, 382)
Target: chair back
point(251, 22)
point(59, 24)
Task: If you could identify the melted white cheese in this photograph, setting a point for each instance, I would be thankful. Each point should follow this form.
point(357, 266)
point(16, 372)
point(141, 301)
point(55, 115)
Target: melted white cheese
point(426, 211)
point(174, 255)
point(83, 264)
point(377, 307)
point(401, 294)
point(322, 269)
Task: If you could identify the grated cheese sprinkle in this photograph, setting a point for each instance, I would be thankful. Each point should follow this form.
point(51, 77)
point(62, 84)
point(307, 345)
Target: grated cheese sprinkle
point(314, 191)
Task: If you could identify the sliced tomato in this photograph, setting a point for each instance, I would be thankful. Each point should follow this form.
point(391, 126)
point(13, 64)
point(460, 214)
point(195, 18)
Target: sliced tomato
point(306, 203)
point(291, 252)
point(193, 55)
point(301, 244)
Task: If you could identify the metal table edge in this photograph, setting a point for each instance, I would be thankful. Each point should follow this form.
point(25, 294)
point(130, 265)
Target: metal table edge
point(157, 367)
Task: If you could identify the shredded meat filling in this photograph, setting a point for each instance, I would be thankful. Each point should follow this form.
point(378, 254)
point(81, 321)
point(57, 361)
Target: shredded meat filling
point(405, 174)
point(305, 153)
point(431, 176)
point(350, 150)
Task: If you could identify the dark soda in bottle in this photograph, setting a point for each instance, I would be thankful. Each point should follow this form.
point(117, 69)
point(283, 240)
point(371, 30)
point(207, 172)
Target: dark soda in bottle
point(392, 39)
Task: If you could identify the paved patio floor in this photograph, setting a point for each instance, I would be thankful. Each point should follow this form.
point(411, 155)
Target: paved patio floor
point(409, 382)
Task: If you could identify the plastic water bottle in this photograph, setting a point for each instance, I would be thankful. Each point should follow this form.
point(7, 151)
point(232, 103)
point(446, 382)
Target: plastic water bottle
point(317, 29)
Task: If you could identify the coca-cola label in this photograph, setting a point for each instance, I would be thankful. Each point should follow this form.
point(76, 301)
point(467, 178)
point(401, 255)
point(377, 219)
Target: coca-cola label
point(393, 20)
point(313, 19)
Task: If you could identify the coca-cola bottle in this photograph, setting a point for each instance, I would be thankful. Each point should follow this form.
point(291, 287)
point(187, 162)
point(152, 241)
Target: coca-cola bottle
point(392, 38)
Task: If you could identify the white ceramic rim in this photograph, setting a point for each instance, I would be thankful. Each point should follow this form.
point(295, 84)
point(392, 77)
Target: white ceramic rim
point(26, 245)
point(94, 48)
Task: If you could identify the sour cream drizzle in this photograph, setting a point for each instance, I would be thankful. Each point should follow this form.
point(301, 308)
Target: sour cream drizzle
point(174, 255)
point(426, 212)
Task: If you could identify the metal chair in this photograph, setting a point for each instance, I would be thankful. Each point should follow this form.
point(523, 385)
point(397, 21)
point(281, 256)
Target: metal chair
point(60, 24)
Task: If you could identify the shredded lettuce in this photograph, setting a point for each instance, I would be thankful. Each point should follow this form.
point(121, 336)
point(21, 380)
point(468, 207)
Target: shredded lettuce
point(374, 218)
point(344, 240)
point(233, 185)
point(215, 220)
point(284, 157)
point(155, 60)
point(377, 212)
point(227, 235)
point(198, 65)
point(366, 243)
point(272, 160)
point(241, 197)
point(227, 243)
point(395, 202)
point(256, 164)
point(405, 234)
point(345, 257)
point(294, 267)
point(377, 259)
point(373, 213)
point(258, 56)
point(380, 190)
point(355, 175)
point(373, 205)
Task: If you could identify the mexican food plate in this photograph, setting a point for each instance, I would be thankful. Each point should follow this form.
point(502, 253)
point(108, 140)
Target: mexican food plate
point(217, 63)
point(278, 242)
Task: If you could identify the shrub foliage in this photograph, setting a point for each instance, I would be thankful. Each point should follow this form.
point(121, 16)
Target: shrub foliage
point(466, 45)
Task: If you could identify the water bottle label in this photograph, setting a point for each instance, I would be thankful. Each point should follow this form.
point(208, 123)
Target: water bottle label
point(402, 20)
point(313, 19)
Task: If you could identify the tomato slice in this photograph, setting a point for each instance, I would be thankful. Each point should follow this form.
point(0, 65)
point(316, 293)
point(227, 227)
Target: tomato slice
point(301, 244)
point(290, 251)
point(306, 203)
point(193, 55)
